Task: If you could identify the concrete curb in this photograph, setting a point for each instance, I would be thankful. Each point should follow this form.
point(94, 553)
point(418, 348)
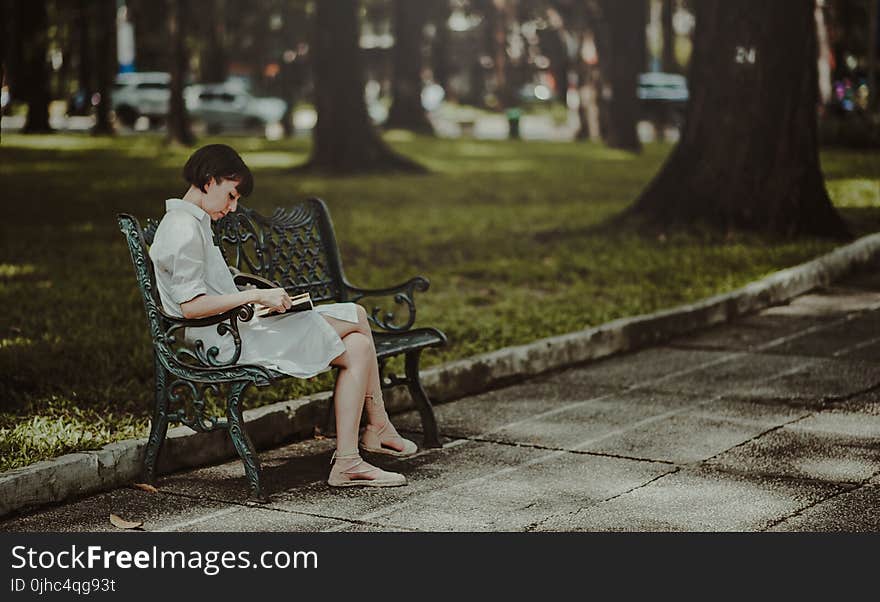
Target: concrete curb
point(118, 464)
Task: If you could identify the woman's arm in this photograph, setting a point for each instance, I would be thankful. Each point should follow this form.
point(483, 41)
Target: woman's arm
point(210, 305)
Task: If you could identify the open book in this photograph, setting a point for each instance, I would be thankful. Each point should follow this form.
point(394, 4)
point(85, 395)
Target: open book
point(301, 302)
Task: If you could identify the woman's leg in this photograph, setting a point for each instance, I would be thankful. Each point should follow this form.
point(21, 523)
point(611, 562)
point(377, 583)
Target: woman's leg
point(348, 467)
point(376, 414)
point(377, 417)
point(351, 386)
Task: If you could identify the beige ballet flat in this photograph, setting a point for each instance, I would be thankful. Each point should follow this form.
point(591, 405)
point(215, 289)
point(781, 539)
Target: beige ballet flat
point(373, 442)
point(362, 474)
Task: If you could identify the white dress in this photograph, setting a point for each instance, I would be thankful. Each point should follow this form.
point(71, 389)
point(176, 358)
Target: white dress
point(187, 264)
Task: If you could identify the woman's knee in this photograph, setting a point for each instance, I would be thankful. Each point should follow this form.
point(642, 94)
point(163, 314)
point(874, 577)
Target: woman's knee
point(358, 346)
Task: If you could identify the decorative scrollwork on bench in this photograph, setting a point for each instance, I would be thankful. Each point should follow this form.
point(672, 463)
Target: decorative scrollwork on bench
point(191, 400)
point(382, 312)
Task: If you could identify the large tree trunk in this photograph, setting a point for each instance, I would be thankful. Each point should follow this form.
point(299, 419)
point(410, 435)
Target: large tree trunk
point(4, 41)
point(621, 58)
point(212, 62)
point(105, 51)
point(35, 74)
point(179, 129)
point(440, 48)
point(873, 25)
point(670, 65)
point(406, 84)
point(748, 156)
point(344, 139)
point(83, 29)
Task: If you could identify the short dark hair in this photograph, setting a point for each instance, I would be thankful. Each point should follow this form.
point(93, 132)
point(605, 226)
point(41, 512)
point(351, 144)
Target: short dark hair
point(218, 161)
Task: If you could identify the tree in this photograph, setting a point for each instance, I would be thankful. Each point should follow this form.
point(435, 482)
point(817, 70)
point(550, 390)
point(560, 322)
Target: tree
point(211, 18)
point(3, 44)
point(179, 129)
point(621, 48)
point(440, 67)
point(407, 111)
point(344, 140)
point(33, 80)
point(105, 52)
point(670, 64)
point(748, 157)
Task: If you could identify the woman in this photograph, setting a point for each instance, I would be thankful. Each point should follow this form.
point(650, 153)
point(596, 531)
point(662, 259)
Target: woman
point(194, 281)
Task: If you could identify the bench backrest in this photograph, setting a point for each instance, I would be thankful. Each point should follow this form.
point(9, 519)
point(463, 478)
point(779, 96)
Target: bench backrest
point(295, 247)
point(138, 241)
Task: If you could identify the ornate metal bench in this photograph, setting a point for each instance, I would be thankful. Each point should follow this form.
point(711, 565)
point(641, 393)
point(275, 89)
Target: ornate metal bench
point(295, 248)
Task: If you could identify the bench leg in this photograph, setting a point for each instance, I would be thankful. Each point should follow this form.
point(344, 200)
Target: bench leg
point(240, 439)
point(158, 425)
point(431, 436)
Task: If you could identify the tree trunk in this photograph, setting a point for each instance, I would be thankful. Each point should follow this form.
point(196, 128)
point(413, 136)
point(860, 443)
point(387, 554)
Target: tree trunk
point(440, 48)
point(824, 59)
point(179, 129)
point(105, 51)
point(621, 58)
point(213, 55)
point(407, 111)
point(35, 74)
point(83, 21)
point(344, 139)
point(4, 41)
point(873, 24)
point(670, 65)
point(748, 156)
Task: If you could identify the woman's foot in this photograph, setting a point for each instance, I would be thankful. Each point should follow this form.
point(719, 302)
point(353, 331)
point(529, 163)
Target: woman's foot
point(386, 440)
point(350, 470)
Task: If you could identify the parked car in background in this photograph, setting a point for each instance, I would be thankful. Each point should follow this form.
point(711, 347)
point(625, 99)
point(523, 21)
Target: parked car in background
point(228, 106)
point(141, 94)
point(220, 107)
point(662, 96)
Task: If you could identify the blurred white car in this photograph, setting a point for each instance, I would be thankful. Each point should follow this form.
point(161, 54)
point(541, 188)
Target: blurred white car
point(230, 107)
point(226, 106)
point(141, 94)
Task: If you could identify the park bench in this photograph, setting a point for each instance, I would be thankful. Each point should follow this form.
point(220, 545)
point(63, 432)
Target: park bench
point(296, 249)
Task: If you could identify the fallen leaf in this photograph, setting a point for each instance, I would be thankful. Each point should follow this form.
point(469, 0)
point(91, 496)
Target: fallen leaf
point(121, 523)
point(145, 487)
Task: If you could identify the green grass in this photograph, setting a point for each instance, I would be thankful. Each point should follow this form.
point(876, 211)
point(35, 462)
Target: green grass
point(506, 231)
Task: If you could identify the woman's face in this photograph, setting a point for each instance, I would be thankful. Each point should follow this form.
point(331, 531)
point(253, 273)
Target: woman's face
point(220, 198)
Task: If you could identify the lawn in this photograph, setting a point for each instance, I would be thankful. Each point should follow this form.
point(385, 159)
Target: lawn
point(506, 231)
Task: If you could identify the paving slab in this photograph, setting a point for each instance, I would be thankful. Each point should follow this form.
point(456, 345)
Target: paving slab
point(522, 497)
point(698, 500)
point(426, 473)
point(833, 447)
point(643, 368)
point(746, 333)
point(490, 411)
point(828, 303)
point(778, 378)
point(252, 518)
point(863, 403)
point(844, 339)
point(694, 433)
point(93, 513)
point(851, 511)
point(576, 425)
point(290, 467)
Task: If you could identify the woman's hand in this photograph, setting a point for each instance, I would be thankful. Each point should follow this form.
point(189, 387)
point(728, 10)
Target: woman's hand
point(276, 298)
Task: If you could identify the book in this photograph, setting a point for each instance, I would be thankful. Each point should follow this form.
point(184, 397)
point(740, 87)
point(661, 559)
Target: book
point(301, 302)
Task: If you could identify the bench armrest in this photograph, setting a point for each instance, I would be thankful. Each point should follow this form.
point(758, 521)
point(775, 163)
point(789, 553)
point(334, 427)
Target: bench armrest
point(198, 360)
point(243, 279)
point(383, 315)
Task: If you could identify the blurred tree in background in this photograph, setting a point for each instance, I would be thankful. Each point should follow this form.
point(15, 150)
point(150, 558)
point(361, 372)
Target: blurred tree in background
point(749, 154)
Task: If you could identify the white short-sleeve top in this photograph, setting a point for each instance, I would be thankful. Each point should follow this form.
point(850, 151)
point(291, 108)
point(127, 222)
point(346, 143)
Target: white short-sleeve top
point(188, 264)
